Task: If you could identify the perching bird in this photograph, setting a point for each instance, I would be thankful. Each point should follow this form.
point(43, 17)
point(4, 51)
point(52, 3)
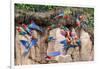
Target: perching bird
point(28, 45)
point(34, 26)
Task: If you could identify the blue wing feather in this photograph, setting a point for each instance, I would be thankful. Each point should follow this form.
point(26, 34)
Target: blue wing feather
point(65, 43)
point(33, 42)
point(54, 54)
point(23, 33)
point(24, 43)
point(34, 26)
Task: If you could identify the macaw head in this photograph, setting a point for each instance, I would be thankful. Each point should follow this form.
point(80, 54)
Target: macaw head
point(18, 29)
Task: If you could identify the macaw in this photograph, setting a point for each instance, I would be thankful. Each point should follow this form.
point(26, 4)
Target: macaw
point(78, 44)
point(28, 45)
point(34, 26)
point(26, 28)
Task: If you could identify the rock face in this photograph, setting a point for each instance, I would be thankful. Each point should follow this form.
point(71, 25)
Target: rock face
point(76, 54)
point(55, 45)
point(19, 49)
point(38, 53)
point(63, 58)
point(86, 46)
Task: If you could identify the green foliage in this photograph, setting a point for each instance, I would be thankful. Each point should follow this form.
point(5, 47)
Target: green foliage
point(72, 11)
point(36, 8)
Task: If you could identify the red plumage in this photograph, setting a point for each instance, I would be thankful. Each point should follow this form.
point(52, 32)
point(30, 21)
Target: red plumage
point(78, 24)
point(65, 17)
point(48, 57)
point(18, 29)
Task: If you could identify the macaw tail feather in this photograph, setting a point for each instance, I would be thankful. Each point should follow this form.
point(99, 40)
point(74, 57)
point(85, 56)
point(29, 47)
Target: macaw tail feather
point(26, 52)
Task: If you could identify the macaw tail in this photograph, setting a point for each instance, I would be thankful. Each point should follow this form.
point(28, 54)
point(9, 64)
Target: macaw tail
point(26, 51)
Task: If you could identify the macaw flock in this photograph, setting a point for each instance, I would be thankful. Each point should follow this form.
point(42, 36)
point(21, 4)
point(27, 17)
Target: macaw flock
point(59, 38)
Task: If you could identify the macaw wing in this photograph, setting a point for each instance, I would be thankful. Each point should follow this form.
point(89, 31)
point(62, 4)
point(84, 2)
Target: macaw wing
point(33, 42)
point(78, 43)
point(26, 51)
point(64, 42)
point(23, 33)
point(24, 43)
point(22, 29)
point(28, 30)
point(34, 26)
point(54, 54)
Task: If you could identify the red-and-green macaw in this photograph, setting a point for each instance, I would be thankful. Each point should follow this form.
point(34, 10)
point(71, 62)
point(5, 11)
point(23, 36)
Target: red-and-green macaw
point(21, 31)
point(26, 28)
